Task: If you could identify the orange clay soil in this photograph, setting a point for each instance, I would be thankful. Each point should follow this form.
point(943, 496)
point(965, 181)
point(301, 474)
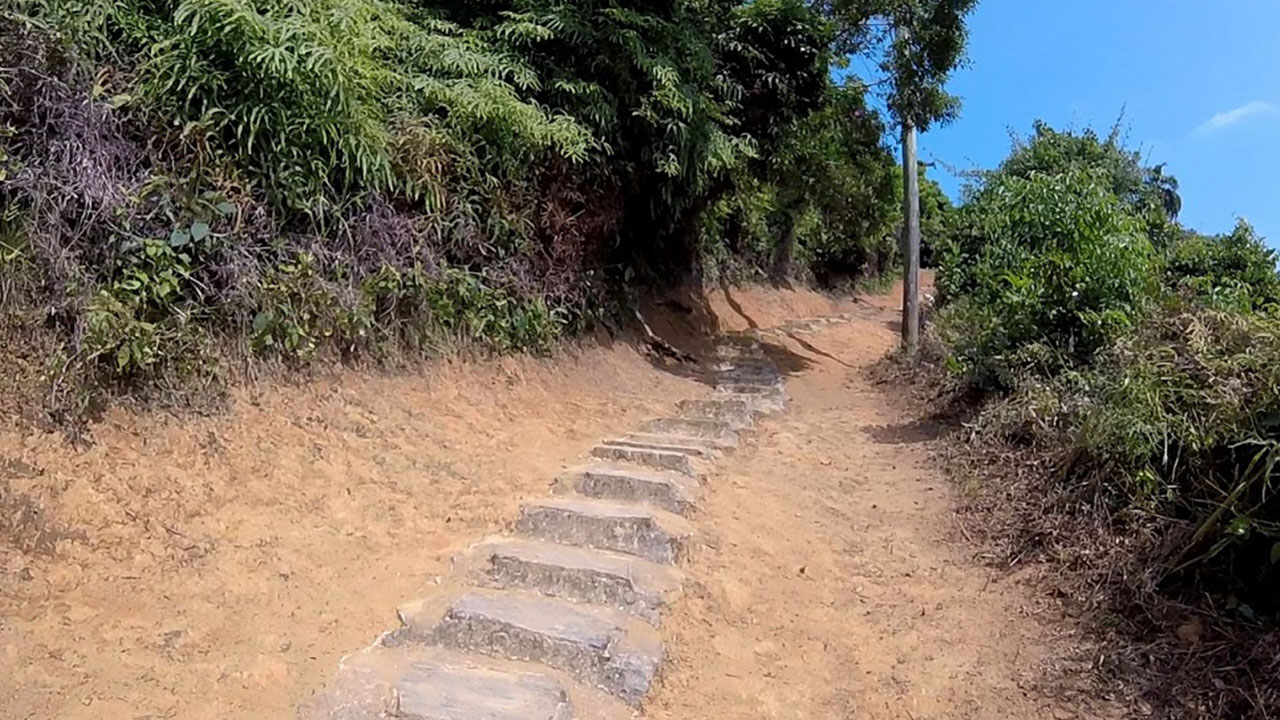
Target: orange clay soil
point(836, 582)
point(221, 567)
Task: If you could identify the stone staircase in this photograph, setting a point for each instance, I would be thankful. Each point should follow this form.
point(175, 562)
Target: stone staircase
point(560, 620)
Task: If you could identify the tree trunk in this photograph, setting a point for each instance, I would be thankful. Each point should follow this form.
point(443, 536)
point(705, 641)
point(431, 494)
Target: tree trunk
point(784, 253)
point(910, 241)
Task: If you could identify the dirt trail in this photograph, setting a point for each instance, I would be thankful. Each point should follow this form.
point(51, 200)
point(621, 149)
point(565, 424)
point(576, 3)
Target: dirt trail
point(219, 568)
point(836, 585)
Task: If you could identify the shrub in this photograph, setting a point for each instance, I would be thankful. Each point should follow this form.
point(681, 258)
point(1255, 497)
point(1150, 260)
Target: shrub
point(1049, 265)
point(1137, 370)
point(1232, 271)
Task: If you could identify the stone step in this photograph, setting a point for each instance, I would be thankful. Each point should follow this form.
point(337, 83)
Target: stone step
point(693, 449)
point(766, 398)
point(750, 387)
point(715, 446)
point(629, 528)
point(396, 678)
point(731, 377)
point(628, 483)
point(751, 349)
point(737, 411)
point(760, 367)
point(657, 459)
point(623, 582)
point(747, 362)
point(717, 431)
point(747, 372)
point(433, 691)
point(603, 648)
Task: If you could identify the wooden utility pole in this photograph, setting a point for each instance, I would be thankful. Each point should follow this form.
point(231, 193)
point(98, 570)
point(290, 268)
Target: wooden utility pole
point(910, 235)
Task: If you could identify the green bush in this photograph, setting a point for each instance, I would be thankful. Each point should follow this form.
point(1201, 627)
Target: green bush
point(1046, 269)
point(304, 179)
point(1133, 369)
point(1232, 271)
point(1179, 422)
point(320, 96)
point(822, 198)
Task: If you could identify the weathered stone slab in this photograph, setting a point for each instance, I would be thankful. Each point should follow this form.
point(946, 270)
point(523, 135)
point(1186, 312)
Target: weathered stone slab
point(623, 582)
point(717, 431)
point(649, 457)
point(376, 683)
point(639, 530)
point(765, 403)
point(603, 648)
point(770, 388)
point(747, 371)
point(742, 349)
point(431, 691)
point(627, 483)
point(711, 447)
point(730, 377)
point(684, 446)
point(738, 411)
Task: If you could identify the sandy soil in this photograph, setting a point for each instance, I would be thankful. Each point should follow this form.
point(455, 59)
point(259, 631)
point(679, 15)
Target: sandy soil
point(219, 568)
point(837, 584)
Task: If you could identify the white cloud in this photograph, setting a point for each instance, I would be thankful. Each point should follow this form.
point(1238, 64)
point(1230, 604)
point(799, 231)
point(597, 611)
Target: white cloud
point(1231, 117)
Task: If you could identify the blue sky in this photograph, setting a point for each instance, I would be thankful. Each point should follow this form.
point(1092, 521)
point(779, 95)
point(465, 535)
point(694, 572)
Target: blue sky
point(1198, 82)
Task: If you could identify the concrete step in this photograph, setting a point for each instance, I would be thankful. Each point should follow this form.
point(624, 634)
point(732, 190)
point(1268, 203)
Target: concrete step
point(432, 691)
point(629, 528)
point(649, 457)
point(716, 447)
point(603, 648)
point(737, 411)
point(747, 376)
point(623, 582)
point(750, 387)
point(716, 431)
point(764, 400)
point(687, 446)
point(627, 483)
point(747, 369)
point(745, 362)
point(745, 349)
point(395, 678)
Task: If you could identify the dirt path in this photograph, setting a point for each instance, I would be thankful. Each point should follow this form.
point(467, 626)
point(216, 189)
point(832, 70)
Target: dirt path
point(219, 568)
point(836, 586)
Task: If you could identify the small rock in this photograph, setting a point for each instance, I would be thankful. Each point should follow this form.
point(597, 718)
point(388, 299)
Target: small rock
point(1190, 632)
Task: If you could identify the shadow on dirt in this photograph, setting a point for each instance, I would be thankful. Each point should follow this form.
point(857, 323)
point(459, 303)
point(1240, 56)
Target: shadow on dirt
point(685, 320)
point(920, 430)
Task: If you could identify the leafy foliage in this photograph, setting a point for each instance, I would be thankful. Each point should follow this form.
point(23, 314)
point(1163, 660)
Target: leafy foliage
point(1043, 264)
point(360, 179)
point(1134, 369)
point(822, 196)
point(1234, 271)
point(919, 43)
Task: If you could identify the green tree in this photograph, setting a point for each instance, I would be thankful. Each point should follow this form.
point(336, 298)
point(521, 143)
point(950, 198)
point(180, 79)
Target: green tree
point(833, 166)
point(925, 44)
